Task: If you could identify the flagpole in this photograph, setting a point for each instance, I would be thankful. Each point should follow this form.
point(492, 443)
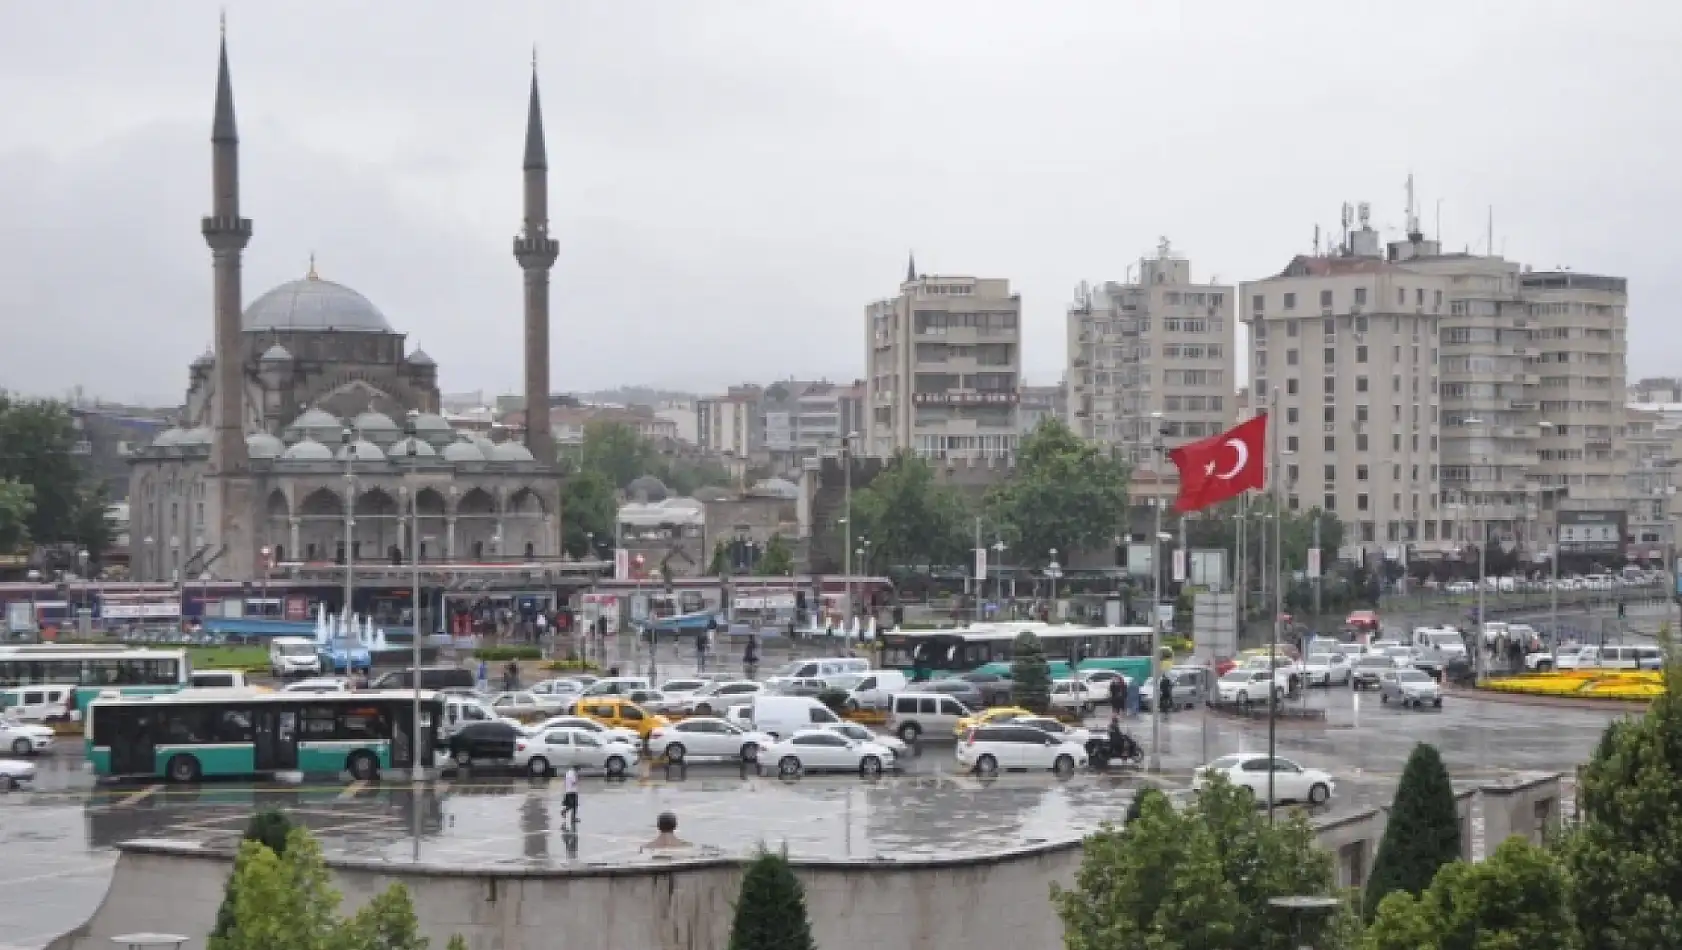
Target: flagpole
point(1156, 599)
point(1278, 604)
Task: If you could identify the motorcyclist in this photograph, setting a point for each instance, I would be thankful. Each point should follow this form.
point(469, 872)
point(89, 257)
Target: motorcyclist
point(1121, 744)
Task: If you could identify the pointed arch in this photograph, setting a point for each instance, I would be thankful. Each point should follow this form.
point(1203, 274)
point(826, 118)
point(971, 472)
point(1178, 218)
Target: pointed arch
point(322, 503)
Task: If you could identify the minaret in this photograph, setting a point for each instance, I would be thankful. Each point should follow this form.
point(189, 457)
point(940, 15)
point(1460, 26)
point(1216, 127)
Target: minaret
point(911, 268)
point(536, 252)
point(226, 233)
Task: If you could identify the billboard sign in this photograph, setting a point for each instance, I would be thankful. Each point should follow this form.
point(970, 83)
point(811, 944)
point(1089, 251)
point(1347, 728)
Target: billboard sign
point(1592, 532)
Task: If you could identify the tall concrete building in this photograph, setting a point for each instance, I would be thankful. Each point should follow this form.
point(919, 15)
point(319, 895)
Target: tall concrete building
point(731, 424)
point(1154, 354)
point(1344, 352)
point(945, 367)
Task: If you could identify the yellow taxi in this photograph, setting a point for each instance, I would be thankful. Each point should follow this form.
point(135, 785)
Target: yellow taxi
point(988, 716)
point(619, 712)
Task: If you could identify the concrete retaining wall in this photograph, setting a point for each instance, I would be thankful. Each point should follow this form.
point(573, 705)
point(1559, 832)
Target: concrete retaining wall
point(1528, 808)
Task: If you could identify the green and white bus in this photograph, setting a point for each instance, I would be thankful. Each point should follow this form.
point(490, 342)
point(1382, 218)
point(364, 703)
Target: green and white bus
point(203, 733)
point(988, 648)
point(95, 670)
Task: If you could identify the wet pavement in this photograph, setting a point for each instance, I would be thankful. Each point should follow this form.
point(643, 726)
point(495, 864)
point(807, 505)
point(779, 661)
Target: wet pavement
point(56, 841)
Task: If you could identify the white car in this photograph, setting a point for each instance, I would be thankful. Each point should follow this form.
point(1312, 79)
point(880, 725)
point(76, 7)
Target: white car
point(1079, 735)
point(1291, 782)
point(705, 737)
point(822, 750)
point(526, 705)
point(714, 698)
point(556, 750)
point(561, 690)
point(1072, 695)
point(1250, 684)
point(1581, 658)
point(1098, 684)
point(1409, 688)
point(1016, 745)
point(15, 772)
point(682, 688)
point(23, 738)
point(858, 733)
point(1326, 669)
point(606, 733)
point(318, 684)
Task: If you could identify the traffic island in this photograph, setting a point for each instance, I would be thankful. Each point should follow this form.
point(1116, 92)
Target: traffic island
point(1556, 701)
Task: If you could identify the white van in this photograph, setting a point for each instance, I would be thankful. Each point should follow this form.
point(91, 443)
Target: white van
point(785, 715)
point(876, 689)
point(916, 715)
point(461, 710)
point(47, 703)
point(293, 656)
point(219, 679)
point(1436, 647)
point(818, 669)
point(1623, 657)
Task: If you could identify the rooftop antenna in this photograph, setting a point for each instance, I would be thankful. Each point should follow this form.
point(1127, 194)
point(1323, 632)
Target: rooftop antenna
point(1316, 240)
point(1439, 227)
point(1348, 216)
point(1412, 212)
point(1490, 235)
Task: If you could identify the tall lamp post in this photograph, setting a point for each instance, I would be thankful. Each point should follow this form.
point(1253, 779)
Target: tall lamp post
point(1053, 570)
point(417, 770)
point(349, 450)
point(999, 549)
point(1157, 537)
point(847, 518)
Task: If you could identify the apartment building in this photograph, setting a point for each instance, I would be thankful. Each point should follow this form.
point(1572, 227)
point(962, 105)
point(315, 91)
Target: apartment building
point(731, 424)
point(1654, 442)
point(806, 418)
point(945, 368)
point(1344, 352)
point(1154, 353)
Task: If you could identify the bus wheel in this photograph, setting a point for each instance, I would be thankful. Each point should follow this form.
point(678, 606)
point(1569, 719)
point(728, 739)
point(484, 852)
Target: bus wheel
point(184, 769)
point(363, 767)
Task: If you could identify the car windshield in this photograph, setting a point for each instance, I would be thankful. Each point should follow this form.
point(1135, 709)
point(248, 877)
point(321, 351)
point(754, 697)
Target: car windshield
point(1320, 659)
point(1226, 762)
point(1412, 676)
point(296, 649)
point(1442, 639)
point(1237, 676)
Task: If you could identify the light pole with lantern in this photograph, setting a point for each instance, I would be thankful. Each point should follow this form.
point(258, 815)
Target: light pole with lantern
point(268, 563)
point(1053, 570)
point(349, 450)
point(417, 770)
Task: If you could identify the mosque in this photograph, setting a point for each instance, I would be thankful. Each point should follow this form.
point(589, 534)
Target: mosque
point(311, 425)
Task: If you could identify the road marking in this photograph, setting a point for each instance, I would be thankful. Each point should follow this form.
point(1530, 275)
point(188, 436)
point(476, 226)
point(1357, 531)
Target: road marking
point(140, 796)
point(351, 790)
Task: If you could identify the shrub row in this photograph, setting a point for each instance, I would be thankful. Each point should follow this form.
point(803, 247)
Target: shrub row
point(508, 653)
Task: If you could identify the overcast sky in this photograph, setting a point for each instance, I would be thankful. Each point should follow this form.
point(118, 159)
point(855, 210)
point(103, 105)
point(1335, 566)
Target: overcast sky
point(732, 180)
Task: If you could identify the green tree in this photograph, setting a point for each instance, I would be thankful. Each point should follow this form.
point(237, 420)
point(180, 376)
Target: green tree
point(910, 518)
point(1423, 831)
point(777, 560)
point(17, 507)
point(771, 910)
point(1197, 879)
point(37, 449)
point(720, 563)
point(588, 507)
point(1030, 674)
point(269, 828)
point(1068, 494)
point(1518, 899)
point(385, 923)
point(616, 451)
point(1625, 856)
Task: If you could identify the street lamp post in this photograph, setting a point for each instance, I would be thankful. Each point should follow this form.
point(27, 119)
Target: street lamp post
point(847, 518)
point(1157, 538)
point(999, 549)
point(268, 563)
point(417, 770)
point(1053, 570)
point(350, 516)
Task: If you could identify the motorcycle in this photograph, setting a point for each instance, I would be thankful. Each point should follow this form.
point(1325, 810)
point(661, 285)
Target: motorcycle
point(1130, 752)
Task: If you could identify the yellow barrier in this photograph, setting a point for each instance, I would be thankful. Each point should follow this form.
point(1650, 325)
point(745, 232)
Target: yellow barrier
point(1625, 685)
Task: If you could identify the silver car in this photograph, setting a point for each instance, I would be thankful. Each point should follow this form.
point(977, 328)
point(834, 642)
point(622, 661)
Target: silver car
point(1409, 687)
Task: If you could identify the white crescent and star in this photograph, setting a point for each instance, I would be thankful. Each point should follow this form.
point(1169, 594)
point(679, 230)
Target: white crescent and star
point(1243, 451)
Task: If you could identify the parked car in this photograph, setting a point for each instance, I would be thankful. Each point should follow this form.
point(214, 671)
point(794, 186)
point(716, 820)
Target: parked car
point(24, 738)
point(1070, 695)
point(876, 688)
point(616, 686)
point(1409, 688)
point(1079, 735)
point(705, 737)
point(432, 677)
point(963, 692)
point(814, 750)
point(561, 690)
point(1327, 669)
point(318, 684)
point(1098, 683)
point(987, 717)
point(858, 733)
point(920, 714)
point(1250, 770)
point(781, 716)
point(1192, 685)
point(527, 706)
point(808, 686)
point(484, 742)
point(1367, 669)
point(714, 698)
point(613, 733)
point(15, 773)
point(1014, 745)
point(994, 688)
point(681, 688)
point(556, 750)
point(1250, 684)
point(621, 712)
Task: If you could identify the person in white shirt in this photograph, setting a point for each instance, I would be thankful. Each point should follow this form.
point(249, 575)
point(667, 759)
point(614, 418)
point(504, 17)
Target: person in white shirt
point(569, 800)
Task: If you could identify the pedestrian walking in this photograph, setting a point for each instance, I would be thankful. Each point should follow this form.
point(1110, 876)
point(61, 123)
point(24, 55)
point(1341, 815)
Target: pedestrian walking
point(569, 799)
point(750, 657)
point(484, 675)
point(1118, 695)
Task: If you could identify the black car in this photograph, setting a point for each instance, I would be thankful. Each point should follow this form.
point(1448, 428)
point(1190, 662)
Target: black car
point(994, 689)
point(432, 677)
point(484, 742)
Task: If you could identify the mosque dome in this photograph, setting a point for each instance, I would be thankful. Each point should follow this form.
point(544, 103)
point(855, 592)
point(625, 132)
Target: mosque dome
point(647, 488)
point(315, 304)
point(276, 354)
point(464, 451)
point(511, 452)
point(308, 450)
point(375, 426)
point(434, 428)
point(169, 437)
point(362, 451)
point(261, 445)
point(399, 450)
point(199, 436)
point(317, 424)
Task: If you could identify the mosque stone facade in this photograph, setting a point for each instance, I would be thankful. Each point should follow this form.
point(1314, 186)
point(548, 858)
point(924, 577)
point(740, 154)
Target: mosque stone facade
point(338, 440)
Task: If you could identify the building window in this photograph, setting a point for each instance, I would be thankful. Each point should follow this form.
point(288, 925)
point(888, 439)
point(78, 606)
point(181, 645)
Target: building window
point(1331, 473)
point(1290, 443)
point(1291, 415)
point(1360, 295)
point(1257, 300)
point(1360, 324)
point(1328, 385)
point(1328, 503)
point(1290, 387)
point(1331, 443)
point(1361, 413)
point(1330, 356)
point(1361, 442)
point(1291, 474)
point(1361, 502)
point(1293, 503)
point(1330, 414)
point(1290, 357)
point(1360, 354)
point(1360, 384)
point(1325, 298)
point(1290, 301)
point(1361, 473)
point(1290, 328)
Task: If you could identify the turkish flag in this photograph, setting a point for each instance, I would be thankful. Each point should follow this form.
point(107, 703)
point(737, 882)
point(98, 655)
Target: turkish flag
point(1222, 466)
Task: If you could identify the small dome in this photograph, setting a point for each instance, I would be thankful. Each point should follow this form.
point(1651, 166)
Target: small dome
point(376, 426)
point(647, 488)
point(315, 304)
point(419, 358)
point(316, 424)
point(776, 488)
point(277, 354)
point(486, 446)
point(434, 428)
point(464, 451)
point(363, 451)
point(169, 436)
point(261, 445)
point(199, 436)
point(511, 452)
point(308, 450)
point(399, 450)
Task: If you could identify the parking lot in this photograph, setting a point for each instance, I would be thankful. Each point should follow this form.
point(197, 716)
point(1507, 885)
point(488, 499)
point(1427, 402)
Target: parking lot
point(56, 841)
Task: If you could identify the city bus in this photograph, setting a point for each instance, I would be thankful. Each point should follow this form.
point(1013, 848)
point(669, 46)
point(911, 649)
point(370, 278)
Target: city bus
point(94, 669)
point(932, 654)
point(183, 737)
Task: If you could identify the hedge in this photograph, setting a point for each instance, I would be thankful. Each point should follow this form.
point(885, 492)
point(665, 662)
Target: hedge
point(508, 653)
point(573, 666)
